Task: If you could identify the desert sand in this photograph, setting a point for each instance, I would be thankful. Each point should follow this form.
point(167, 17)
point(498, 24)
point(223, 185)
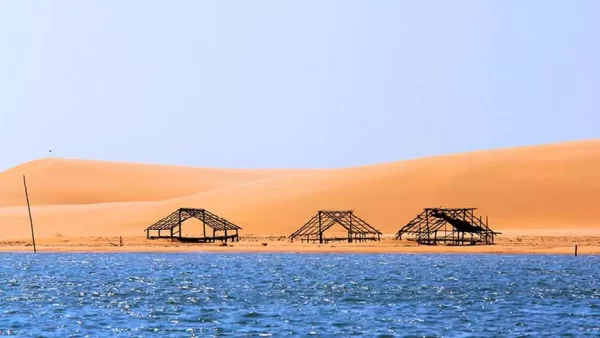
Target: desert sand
point(542, 198)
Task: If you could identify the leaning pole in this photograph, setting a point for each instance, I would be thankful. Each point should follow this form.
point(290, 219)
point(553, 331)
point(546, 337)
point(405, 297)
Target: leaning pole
point(30, 218)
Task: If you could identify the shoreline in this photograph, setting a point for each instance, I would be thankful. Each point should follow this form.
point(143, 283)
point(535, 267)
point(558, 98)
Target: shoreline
point(320, 252)
point(532, 245)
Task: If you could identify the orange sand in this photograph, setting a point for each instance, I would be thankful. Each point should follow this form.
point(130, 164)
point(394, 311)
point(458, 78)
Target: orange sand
point(551, 188)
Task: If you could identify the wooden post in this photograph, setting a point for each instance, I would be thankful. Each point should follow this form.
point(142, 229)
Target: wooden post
point(179, 224)
point(427, 228)
point(488, 234)
point(320, 230)
point(204, 223)
point(350, 231)
point(30, 218)
point(576, 250)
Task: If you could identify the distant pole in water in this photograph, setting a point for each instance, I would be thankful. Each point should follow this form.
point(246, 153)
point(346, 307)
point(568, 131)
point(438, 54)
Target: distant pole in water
point(576, 250)
point(30, 218)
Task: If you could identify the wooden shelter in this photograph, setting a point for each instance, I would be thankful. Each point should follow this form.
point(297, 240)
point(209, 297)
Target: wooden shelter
point(358, 229)
point(449, 226)
point(170, 226)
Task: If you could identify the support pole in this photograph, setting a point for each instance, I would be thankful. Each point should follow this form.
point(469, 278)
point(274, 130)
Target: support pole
point(204, 223)
point(488, 234)
point(350, 231)
point(320, 230)
point(427, 229)
point(576, 250)
point(30, 218)
point(179, 223)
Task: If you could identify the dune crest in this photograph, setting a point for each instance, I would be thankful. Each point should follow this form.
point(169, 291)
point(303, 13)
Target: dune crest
point(539, 187)
point(61, 181)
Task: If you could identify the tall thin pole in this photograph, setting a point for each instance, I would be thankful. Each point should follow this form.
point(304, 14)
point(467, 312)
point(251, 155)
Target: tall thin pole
point(30, 218)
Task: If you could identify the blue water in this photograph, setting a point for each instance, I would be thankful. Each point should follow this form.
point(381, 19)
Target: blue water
point(209, 294)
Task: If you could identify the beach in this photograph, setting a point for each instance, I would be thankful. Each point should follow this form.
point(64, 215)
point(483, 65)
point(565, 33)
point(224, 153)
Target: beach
point(511, 244)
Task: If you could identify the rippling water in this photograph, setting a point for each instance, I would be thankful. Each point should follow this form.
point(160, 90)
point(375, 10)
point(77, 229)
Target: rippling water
point(385, 295)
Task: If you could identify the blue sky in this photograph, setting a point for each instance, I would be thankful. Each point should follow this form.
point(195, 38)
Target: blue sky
point(252, 84)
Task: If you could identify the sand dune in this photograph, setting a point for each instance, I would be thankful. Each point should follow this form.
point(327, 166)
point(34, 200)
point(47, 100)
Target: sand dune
point(59, 181)
point(554, 186)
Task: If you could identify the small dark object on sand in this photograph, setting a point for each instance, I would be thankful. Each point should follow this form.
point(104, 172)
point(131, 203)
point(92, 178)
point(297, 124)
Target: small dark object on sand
point(265, 244)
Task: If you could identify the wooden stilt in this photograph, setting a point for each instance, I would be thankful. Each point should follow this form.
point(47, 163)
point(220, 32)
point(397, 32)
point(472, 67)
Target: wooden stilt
point(320, 229)
point(204, 222)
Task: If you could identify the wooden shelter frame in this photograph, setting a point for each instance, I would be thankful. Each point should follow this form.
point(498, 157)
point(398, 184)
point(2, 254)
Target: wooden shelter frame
point(173, 222)
point(358, 229)
point(448, 226)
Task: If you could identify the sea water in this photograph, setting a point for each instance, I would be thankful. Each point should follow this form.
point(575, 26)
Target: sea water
point(252, 294)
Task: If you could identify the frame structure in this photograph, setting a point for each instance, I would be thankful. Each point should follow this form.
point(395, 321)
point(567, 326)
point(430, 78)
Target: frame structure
point(172, 226)
point(358, 229)
point(448, 226)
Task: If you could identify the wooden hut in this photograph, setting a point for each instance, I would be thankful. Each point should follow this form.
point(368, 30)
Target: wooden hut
point(358, 230)
point(171, 225)
point(451, 226)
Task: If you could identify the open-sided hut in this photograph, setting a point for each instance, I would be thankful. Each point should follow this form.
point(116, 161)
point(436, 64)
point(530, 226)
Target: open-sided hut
point(452, 226)
point(358, 229)
point(170, 226)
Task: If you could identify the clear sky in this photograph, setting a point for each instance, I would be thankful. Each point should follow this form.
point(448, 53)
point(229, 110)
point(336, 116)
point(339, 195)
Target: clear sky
point(301, 83)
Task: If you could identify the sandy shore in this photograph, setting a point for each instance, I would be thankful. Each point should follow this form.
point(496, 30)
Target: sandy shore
point(586, 245)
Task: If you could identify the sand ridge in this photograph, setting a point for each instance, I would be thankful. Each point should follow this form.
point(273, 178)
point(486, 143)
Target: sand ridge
point(554, 186)
point(56, 181)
